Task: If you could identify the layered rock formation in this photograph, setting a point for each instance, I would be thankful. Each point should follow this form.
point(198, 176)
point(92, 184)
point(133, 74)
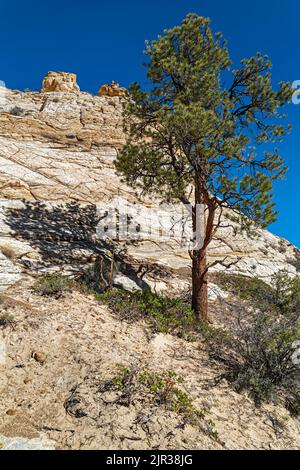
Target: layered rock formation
point(57, 180)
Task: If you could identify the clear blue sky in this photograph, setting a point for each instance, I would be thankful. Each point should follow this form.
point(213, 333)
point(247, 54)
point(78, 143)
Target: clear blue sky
point(103, 41)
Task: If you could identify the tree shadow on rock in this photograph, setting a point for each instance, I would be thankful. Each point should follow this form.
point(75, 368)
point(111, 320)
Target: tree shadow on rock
point(65, 234)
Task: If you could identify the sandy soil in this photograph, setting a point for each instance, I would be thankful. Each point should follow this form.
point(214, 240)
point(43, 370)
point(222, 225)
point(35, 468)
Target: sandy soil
point(57, 353)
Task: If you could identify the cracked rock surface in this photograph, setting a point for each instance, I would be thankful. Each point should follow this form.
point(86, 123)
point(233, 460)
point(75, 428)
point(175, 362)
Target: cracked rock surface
point(57, 148)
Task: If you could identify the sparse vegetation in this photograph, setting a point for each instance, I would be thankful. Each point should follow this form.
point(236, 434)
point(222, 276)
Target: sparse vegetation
point(53, 285)
point(259, 356)
point(286, 293)
point(164, 389)
point(6, 319)
point(296, 260)
point(165, 315)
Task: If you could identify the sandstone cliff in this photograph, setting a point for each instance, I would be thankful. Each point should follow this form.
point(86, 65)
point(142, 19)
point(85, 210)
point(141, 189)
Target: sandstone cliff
point(56, 162)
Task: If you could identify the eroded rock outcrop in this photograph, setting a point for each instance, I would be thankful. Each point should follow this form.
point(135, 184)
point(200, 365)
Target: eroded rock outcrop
point(60, 81)
point(113, 89)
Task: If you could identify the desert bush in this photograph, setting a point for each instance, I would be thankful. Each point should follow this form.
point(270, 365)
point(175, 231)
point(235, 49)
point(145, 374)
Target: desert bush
point(294, 262)
point(259, 357)
point(53, 285)
point(294, 298)
point(282, 296)
point(292, 402)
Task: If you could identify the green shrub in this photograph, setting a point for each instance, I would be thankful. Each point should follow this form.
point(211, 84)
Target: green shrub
point(258, 355)
point(286, 297)
point(53, 285)
point(165, 315)
point(292, 402)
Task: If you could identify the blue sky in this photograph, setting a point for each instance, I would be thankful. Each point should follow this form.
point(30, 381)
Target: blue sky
point(103, 41)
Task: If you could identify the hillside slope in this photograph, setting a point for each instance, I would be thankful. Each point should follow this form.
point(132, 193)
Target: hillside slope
point(59, 356)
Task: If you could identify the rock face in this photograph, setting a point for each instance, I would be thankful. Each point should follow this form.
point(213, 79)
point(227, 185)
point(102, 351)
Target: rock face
point(57, 182)
point(60, 81)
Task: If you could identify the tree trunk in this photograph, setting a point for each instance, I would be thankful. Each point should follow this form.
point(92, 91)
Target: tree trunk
point(199, 267)
point(200, 286)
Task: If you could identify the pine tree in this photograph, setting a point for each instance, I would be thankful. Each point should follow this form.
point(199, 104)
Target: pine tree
point(200, 124)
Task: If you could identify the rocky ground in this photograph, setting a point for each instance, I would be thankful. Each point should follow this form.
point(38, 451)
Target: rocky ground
point(58, 355)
